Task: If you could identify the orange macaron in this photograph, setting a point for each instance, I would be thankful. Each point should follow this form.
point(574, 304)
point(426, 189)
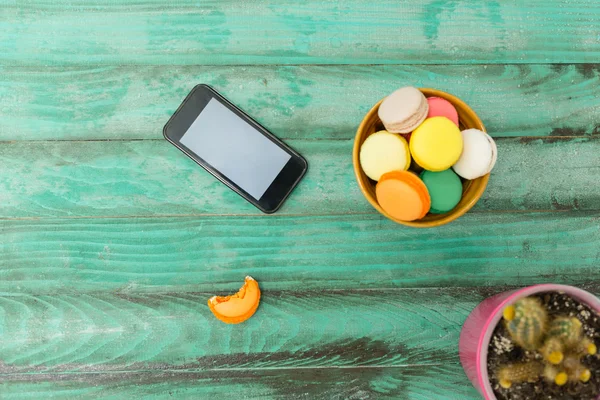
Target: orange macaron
point(402, 195)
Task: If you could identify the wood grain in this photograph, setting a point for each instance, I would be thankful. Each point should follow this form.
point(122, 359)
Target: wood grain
point(322, 344)
point(152, 178)
point(111, 241)
point(209, 254)
point(189, 32)
point(120, 331)
point(412, 383)
point(294, 102)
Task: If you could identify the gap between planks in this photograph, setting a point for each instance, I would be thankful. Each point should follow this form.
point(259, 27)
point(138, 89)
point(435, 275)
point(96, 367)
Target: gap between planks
point(333, 139)
point(207, 215)
point(225, 369)
point(594, 285)
point(300, 65)
point(485, 291)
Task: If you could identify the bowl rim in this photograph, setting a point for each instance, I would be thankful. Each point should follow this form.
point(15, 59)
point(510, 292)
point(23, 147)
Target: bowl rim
point(454, 214)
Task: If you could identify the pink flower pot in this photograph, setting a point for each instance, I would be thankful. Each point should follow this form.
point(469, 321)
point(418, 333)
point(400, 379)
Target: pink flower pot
point(480, 324)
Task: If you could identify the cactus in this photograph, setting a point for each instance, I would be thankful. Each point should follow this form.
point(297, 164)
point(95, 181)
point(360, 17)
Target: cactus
point(559, 342)
point(568, 330)
point(552, 350)
point(586, 347)
point(521, 372)
point(575, 370)
point(526, 321)
point(555, 375)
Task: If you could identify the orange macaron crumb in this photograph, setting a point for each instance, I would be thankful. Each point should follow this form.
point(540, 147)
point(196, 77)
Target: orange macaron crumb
point(403, 195)
point(238, 307)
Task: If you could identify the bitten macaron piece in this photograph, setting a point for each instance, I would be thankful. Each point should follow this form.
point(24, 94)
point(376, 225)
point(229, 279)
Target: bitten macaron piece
point(403, 195)
point(439, 107)
point(479, 154)
point(383, 152)
point(436, 144)
point(403, 110)
point(445, 190)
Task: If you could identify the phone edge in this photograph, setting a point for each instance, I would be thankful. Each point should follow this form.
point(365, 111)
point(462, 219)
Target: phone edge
point(252, 201)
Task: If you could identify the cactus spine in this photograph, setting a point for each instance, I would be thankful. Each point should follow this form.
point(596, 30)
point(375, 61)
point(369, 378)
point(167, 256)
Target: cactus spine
point(568, 330)
point(520, 372)
point(528, 324)
point(552, 350)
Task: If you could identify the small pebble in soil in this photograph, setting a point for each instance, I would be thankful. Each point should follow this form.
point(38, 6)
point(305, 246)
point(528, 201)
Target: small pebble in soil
point(503, 351)
point(502, 344)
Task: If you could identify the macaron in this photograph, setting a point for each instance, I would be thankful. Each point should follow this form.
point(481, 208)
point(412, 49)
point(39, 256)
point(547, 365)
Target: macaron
point(436, 144)
point(439, 107)
point(403, 110)
point(478, 156)
point(403, 196)
point(445, 190)
point(383, 152)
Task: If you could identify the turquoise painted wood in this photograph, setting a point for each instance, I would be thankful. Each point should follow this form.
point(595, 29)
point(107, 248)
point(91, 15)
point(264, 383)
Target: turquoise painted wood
point(347, 343)
point(121, 331)
point(414, 382)
point(316, 102)
point(152, 178)
point(111, 241)
point(209, 32)
point(213, 254)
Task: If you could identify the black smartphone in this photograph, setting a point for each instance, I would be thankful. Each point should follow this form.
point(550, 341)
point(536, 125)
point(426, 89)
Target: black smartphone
point(235, 149)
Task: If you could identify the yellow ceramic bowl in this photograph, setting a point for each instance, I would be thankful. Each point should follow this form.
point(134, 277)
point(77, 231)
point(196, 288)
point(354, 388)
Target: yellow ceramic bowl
point(472, 190)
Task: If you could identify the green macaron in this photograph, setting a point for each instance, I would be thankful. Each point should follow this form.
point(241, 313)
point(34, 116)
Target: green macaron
point(445, 189)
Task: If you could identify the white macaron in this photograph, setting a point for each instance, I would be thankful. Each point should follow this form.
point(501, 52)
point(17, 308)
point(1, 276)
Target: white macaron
point(479, 154)
point(404, 110)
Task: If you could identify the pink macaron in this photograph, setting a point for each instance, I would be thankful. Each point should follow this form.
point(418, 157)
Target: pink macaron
point(439, 107)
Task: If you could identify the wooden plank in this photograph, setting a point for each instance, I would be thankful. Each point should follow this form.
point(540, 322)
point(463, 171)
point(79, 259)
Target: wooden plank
point(287, 32)
point(446, 382)
point(152, 178)
point(294, 102)
point(348, 343)
point(128, 331)
point(74, 256)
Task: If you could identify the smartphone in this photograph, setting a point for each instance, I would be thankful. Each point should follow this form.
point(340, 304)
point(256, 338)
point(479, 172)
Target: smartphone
point(235, 149)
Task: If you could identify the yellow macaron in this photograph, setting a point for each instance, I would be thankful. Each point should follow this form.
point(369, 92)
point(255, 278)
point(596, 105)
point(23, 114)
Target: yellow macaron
point(384, 152)
point(436, 144)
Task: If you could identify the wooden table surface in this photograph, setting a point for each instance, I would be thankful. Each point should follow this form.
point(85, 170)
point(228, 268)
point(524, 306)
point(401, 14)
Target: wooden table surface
point(111, 240)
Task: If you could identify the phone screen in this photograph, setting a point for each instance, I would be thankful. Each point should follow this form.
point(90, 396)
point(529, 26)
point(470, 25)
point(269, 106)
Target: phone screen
point(235, 148)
